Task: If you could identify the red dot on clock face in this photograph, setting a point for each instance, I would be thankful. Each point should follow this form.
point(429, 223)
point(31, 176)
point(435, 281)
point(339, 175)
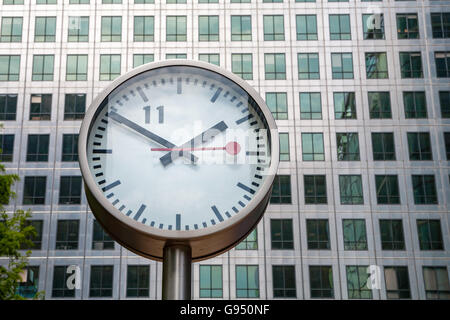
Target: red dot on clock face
point(232, 148)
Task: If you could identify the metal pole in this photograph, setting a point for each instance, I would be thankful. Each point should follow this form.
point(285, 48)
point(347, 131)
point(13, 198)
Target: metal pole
point(176, 282)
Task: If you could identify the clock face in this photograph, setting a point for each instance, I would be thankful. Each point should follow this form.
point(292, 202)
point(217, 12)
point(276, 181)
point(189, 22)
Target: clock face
point(179, 148)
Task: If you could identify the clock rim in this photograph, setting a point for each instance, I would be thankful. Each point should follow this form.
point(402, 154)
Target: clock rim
point(149, 241)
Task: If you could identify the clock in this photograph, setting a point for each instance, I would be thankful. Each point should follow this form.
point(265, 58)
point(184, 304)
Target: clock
point(178, 152)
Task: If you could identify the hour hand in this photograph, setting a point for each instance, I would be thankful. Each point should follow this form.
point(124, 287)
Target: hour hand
point(146, 133)
point(199, 139)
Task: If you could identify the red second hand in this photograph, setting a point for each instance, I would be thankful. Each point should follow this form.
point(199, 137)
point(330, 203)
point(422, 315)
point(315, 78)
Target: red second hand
point(232, 148)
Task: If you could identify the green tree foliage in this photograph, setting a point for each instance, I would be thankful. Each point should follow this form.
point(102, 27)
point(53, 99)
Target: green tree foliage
point(15, 234)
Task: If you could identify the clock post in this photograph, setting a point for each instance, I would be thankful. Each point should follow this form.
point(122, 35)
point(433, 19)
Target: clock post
point(176, 281)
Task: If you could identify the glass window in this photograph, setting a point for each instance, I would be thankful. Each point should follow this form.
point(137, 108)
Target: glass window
point(277, 103)
point(419, 146)
point(281, 234)
point(101, 282)
point(411, 65)
point(407, 26)
point(347, 146)
point(9, 67)
point(436, 283)
point(344, 105)
point(315, 189)
point(78, 29)
point(109, 66)
point(138, 281)
point(415, 104)
point(321, 281)
point(176, 28)
point(29, 288)
point(140, 59)
point(284, 281)
point(306, 27)
point(59, 287)
point(16, 2)
point(74, 106)
point(387, 189)
point(444, 102)
point(45, 29)
point(442, 60)
point(37, 147)
point(70, 190)
point(446, 142)
point(373, 26)
point(34, 190)
point(43, 68)
point(383, 146)
point(281, 190)
point(213, 58)
point(11, 29)
point(67, 234)
point(40, 107)
point(144, 28)
point(284, 146)
point(249, 243)
point(100, 239)
point(308, 66)
point(342, 65)
point(340, 27)
point(310, 105)
point(391, 231)
point(208, 28)
point(247, 281)
point(6, 147)
point(397, 282)
point(351, 189)
point(273, 27)
point(241, 64)
point(111, 30)
point(357, 278)
point(379, 105)
point(440, 23)
point(312, 147)
point(70, 147)
point(318, 234)
point(8, 107)
point(275, 66)
point(76, 69)
point(35, 239)
point(354, 231)
point(424, 189)
point(376, 65)
point(430, 234)
point(211, 283)
point(241, 28)
point(176, 56)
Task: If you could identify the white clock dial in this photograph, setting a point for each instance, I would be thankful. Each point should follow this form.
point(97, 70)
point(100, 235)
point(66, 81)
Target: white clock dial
point(179, 148)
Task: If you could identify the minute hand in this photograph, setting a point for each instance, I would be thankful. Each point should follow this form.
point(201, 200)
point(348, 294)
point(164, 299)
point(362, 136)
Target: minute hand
point(161, 141)
point(199, 139)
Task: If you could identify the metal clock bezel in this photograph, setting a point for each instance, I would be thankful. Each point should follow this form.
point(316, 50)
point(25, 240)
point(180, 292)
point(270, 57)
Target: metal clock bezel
point(149, 241)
